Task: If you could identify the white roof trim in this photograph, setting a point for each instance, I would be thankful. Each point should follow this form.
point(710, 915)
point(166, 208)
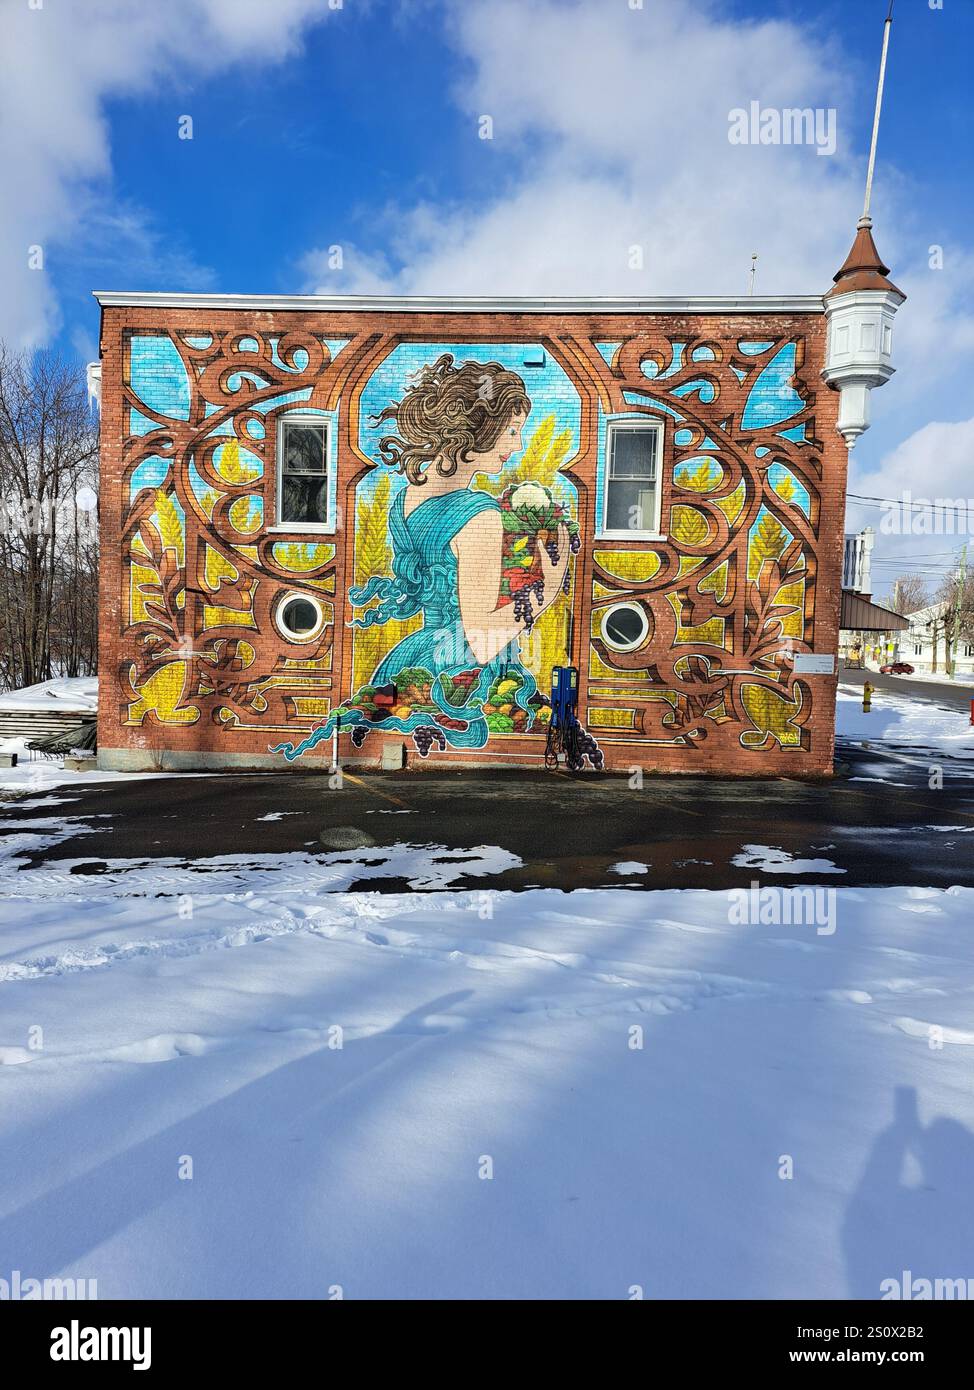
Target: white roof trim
point(449, 304)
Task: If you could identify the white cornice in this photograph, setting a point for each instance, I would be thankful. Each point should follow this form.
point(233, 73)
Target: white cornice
point(447, 304)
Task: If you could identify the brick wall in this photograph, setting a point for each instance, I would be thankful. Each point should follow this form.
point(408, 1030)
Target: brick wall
point(195, 669)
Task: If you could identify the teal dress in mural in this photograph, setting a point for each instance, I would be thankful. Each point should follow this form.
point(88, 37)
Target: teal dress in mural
point(432, 669)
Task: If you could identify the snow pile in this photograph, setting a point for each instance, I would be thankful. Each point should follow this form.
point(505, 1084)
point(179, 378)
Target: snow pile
point(62, 695)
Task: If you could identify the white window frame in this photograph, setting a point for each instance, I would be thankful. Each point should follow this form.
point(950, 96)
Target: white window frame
point(289, 632)
point(632, 423)
point(627, 646)
point(319, 528)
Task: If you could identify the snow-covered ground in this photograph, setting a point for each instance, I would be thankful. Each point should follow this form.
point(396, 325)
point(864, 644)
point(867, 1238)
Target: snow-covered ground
point(638, 1072)
point(898, 720)
point(36, 774)
point(962, 679)
point(237, 1078)
point(63, 694)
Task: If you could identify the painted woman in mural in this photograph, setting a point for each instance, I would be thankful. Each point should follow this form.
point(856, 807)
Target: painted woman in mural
point(460, 560)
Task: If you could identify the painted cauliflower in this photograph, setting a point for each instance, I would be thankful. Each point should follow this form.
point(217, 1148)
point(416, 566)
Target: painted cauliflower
point(530, 514)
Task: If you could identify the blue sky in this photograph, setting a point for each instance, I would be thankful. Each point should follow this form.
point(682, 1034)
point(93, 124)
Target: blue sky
point(358, 127)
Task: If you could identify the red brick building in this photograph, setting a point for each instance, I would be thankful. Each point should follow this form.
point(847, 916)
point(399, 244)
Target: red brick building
point(402, 514)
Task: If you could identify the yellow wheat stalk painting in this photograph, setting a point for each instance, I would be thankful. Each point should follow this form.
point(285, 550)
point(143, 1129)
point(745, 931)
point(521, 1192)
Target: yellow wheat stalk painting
point(767, 542)
point(233, 468)
point(169, 524)
point(540, 462)
point(373, 556)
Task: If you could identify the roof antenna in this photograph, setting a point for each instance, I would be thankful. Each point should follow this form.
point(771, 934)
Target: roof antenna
point(865, 220)
point(750, 278)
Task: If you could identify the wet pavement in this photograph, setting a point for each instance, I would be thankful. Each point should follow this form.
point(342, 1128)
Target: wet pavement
point(879, 821)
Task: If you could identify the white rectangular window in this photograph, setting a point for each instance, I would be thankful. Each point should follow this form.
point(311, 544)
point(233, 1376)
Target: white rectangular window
point(969, 649)
point(302, 472)
point(631, 495)
point(917, 649)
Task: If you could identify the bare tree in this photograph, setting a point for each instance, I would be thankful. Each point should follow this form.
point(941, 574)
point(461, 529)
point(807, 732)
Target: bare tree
point(910, 593)
point(48, 543)
point(956, 593)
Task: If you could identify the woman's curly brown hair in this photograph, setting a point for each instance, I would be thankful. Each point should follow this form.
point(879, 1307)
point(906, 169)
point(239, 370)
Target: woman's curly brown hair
point(450, 414)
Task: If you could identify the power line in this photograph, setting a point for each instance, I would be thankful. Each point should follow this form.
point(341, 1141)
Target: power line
point(950, 554)
point(929, 560)
point(864, 500)
point(917, 569)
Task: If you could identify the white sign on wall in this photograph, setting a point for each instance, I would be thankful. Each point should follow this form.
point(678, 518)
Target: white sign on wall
point(815, 663)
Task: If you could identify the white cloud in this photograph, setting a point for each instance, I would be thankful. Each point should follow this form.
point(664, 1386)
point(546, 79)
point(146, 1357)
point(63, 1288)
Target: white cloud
point(610, 131)
point(935, 329)
point(935, 459)
point(932, 467)
point(66, 60)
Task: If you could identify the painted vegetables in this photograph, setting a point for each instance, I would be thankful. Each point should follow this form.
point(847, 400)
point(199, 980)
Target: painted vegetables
point(530, 514)
point(410, 694)
point(501, 710)
point(409, 699)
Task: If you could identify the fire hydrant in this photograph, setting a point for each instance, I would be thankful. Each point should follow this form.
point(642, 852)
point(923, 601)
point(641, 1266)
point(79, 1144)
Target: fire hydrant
point(867, 695)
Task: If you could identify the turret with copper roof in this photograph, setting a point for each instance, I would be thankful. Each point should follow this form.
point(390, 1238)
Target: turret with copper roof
point(860, 307)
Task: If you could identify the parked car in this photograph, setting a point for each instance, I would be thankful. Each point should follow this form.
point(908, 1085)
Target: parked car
point(898, 668)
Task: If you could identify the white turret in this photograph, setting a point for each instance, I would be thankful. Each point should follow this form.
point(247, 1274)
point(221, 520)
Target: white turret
point(861, 305)
point(860, 308)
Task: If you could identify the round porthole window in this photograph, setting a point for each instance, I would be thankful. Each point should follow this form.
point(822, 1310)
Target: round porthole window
point(300, 617)
point(624, 626)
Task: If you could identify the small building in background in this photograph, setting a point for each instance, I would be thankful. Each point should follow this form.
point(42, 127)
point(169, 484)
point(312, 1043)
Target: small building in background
point(928, 642)
point(869, 635)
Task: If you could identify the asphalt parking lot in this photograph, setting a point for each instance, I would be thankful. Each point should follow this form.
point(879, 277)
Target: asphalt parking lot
point(878, 821)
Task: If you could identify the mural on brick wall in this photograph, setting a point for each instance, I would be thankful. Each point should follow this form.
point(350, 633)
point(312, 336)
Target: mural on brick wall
point(728, 599)
point(203, 570)
point(473, 476)
point(464, 531)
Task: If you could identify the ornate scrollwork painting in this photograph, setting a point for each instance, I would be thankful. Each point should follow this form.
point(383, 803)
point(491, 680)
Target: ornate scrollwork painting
point(465, 500)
